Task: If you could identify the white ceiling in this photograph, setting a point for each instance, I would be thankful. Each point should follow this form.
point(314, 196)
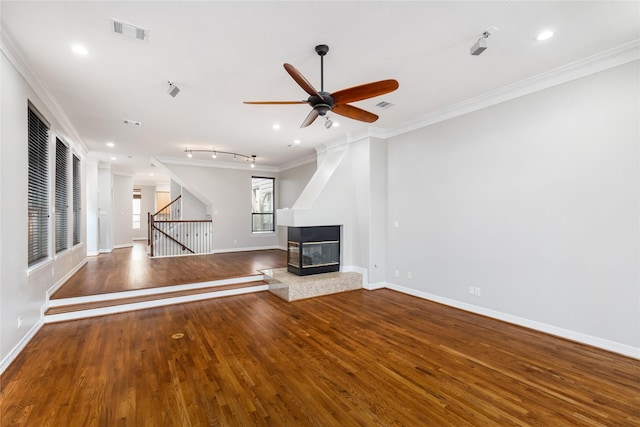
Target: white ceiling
point(223, 53)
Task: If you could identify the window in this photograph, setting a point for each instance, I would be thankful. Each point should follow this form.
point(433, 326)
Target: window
point(137, 196)
point(38, 187)
point(62, 196)
point(262, 203)
point(76, 200)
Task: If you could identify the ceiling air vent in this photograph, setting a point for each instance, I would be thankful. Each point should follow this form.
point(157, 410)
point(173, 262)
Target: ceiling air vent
point(384, 104)
point(131, 122)
point(130, 30)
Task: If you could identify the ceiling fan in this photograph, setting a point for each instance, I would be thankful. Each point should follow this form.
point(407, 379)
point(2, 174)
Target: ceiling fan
point(322, 102)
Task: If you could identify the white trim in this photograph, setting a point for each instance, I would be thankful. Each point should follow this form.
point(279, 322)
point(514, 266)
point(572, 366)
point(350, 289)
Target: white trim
point(375, 286)
point(620, 55)
point(62, 281)
point(140, 238)
point(125, 245)
point(153, 291)
point(217, 164)
point(150, 304)
point(612, 346)
point(297, 162)
point(36, 82)
point(105, 251)
point(15, 351)
point(93, 253)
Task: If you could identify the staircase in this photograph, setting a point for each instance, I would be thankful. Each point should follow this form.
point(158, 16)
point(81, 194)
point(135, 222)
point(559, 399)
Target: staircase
point(169, 236)
point(61, 310)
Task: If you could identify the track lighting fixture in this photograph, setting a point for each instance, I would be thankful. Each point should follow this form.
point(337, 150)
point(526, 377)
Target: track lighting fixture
point(481, 45)
point(214, 154)
point(173, 90)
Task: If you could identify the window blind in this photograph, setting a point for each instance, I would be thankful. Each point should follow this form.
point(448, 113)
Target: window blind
point(38, 188)
point(62, 196)
point(76, 200)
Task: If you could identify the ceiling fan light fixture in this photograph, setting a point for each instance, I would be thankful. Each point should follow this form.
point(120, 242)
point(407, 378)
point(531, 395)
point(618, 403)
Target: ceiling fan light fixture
point(328, 123)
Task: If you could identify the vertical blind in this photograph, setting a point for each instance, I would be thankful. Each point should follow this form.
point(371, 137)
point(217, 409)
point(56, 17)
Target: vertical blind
point(38, 188)
point(62, 196)
point(76, 200)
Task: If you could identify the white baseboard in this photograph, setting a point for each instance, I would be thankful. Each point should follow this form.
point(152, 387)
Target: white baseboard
point(105, 251)
point(93, 253)
point(15, 351)
point(61, 282)
point(374, 286)
point(604, 344)
point(124, 245)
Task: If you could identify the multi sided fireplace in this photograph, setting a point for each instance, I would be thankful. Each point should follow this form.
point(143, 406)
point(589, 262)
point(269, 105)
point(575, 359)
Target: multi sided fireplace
point(313, 250)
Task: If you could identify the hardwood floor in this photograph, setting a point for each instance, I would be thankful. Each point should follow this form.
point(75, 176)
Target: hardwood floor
point(130, 268)
point(355, 358)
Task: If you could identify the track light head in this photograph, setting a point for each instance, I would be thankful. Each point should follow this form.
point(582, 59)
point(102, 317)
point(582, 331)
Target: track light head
point(173, 90)
point(328, 123)
point(481, 45)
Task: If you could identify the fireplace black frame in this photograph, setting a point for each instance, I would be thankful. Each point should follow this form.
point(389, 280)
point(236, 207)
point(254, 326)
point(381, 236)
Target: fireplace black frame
point(299, 236)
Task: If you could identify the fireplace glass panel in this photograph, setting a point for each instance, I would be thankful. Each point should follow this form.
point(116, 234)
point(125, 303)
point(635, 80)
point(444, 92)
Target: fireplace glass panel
point(294, 254)
point(317, 254)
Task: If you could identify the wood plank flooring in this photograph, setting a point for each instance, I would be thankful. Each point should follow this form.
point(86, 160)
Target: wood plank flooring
point(355, 358)
point(130, 268)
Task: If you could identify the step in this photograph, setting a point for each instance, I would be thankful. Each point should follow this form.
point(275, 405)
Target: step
point(100, 305)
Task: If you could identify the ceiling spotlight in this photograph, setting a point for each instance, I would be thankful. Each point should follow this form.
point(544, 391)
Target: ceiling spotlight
point(328, 123)
point(481, 45)
point(189, 155)
point(253, 161)
point(276, 126)
point(79, 49)
point(173, 90)
point(214, 155)
point(297, 141)
point(545, 35)
point(111, 144)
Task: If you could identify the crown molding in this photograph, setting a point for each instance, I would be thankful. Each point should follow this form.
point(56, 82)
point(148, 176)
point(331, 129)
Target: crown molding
point(215, 164)
point(41, 89)
point(611, 58)
point(297, 162)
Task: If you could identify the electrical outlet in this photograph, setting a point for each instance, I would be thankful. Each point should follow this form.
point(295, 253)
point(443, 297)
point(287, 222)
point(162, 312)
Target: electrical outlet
point(409, 275)
point(53, 272)
point(477, 292)
point(397, 273)
point(19, 321)
point(472, 290)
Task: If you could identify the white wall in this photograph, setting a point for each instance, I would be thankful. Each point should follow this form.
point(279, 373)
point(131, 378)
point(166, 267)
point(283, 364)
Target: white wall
point(92, 211)
point(23, 290)
point(229, 191)
point(122, 211)
point(192, 207)
point(289, 185)
point(105, 208)
point(535, 201)
point(147, 205)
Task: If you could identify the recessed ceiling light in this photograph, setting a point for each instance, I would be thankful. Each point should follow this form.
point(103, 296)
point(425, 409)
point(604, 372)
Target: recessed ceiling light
point(111, 144)
point(113, 158)
point(297, 141)
point(151, 174)
point(336, 124)
point(276, 126)
point(79, 49)
point(545, 35)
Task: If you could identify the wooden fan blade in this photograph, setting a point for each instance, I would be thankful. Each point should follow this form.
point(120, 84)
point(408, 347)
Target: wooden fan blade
point(274, 102)
point(299, 78)
point(365, 91)
point(310, 118)
point(354, 113)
